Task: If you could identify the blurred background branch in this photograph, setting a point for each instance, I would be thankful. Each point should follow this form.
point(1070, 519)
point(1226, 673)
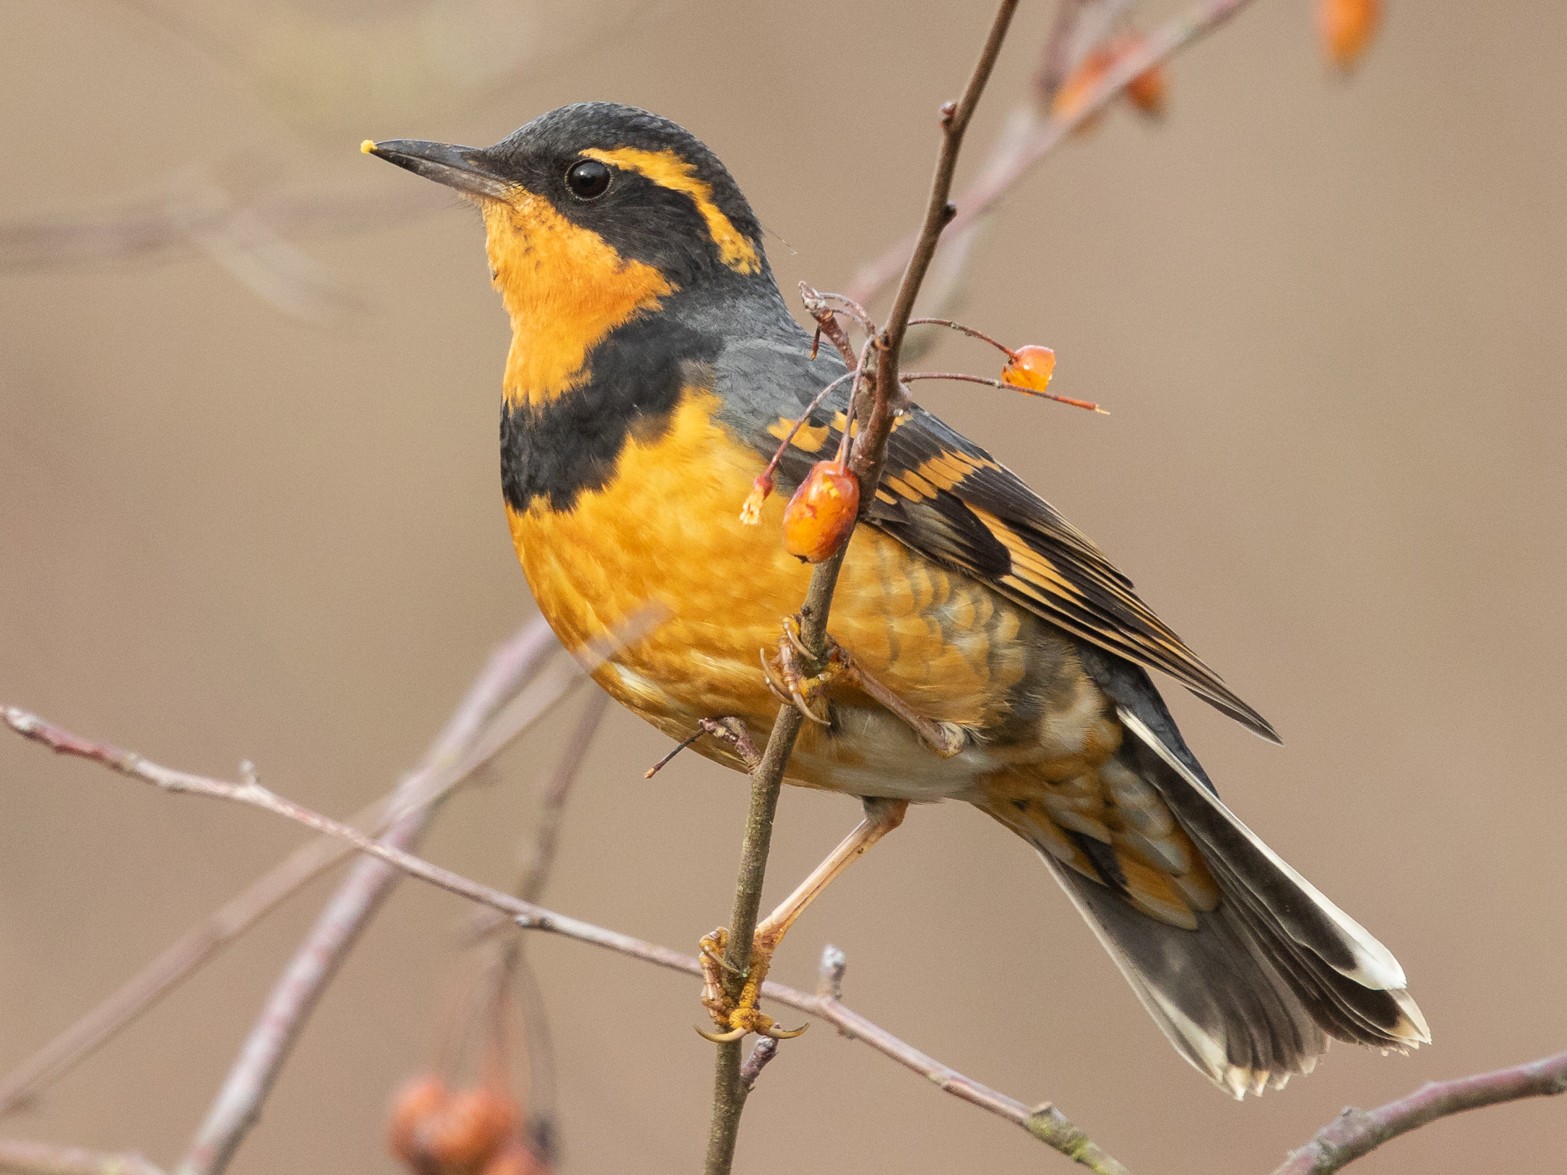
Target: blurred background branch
point(242, 1099)
point(19, 1157)
point(1352, 1135)
point(320, 76)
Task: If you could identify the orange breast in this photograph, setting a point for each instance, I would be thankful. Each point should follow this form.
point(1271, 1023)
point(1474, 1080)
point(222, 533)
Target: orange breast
point(665, 531)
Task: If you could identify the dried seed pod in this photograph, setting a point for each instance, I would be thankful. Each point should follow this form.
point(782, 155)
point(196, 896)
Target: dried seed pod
point(820, 515)
point(1030, 368)
point(751, 508)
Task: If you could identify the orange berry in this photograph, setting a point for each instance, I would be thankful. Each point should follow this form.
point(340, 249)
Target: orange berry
point(1346, 27)
point(1030, 368)
point(516, 1159)
point(474, 1125)
point(420, 1100)
point(1081, 82)
point(822, 511)
point(1145, 91)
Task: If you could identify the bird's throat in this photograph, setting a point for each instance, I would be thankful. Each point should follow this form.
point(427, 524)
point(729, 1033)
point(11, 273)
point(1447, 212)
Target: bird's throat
point(565, 289)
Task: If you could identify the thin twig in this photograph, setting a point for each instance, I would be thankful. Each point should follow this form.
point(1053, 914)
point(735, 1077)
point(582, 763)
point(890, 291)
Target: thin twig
point(206, 940)
point(196, 947)
point(1033, 134)
point(152, 228)
point(546, 838)
point(1356, 1133)
point(729, 1091)
point(1056, 61)
point(762, 1054)
point(510, 960)
point(255, 241)
point(1045, 1122)
point(667, 758)
point(939, 215)
point(41, 1158)
point(964, 377)
point(361, 894)
point(470, 739)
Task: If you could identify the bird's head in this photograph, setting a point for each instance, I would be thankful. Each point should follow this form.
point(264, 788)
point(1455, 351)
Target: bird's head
point(593, 213)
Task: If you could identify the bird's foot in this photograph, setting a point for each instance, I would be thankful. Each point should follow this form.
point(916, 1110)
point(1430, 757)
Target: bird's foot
point(789, 681)
point(788, 678)
point(737, 1015)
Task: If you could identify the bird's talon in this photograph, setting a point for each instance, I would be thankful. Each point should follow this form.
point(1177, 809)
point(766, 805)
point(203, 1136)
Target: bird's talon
point(720, 1037)
point(835, 661)
point(802, 705)
point(734, 1015)
point(712, 954)
point(773, 683)
point(840, 667)
point(785, 1033)
point(804, 689)
point(791, 629)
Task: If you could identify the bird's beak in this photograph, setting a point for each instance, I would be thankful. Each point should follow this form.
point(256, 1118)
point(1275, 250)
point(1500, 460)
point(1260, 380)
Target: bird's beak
point(468, 169)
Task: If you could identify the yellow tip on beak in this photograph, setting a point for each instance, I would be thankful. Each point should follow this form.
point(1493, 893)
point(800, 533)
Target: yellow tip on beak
point(468, 169)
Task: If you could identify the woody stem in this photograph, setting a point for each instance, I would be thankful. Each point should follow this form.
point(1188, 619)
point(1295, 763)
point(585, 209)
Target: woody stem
point(729, 1091)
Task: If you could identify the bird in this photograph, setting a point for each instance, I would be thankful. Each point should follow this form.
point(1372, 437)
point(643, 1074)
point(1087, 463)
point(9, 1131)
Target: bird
point(998, 657)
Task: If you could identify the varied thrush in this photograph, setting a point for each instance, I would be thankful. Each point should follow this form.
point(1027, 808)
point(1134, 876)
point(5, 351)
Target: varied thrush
point(998, 657)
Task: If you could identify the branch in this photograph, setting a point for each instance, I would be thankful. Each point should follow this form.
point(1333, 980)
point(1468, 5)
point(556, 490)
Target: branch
point(509, 961)
point(762, 1054)
point(188, 954)
point(939, 211)
point(155, 229)
point(1033, 134)
point(1356, 1133)
point(203, 942)
point(40, 1158)
point(299, 988)
point(1043, 1122)
point(546, 837)
point(1056, 61)
point(468, 741)
point(253, 239)
point(729, 1086)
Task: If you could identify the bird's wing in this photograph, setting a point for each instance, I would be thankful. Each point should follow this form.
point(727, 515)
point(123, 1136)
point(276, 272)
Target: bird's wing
point(947, 498)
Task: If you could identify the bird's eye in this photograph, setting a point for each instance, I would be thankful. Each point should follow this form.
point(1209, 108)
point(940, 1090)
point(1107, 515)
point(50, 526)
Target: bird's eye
point(588, 179)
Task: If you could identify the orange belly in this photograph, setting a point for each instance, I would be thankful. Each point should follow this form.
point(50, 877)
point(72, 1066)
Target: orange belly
point(665, 532)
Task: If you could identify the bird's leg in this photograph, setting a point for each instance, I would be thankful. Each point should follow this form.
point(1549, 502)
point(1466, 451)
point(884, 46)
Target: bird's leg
point(792, 684)
point(736, 1018)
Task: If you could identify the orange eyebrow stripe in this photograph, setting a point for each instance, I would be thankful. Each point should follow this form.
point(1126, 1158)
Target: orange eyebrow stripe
point(669, 170)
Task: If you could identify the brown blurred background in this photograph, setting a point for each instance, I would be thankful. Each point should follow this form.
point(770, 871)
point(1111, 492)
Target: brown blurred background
point(249, 509)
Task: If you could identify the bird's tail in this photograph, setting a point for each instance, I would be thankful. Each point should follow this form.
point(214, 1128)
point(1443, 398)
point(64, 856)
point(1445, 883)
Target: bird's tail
point(1248, 985)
